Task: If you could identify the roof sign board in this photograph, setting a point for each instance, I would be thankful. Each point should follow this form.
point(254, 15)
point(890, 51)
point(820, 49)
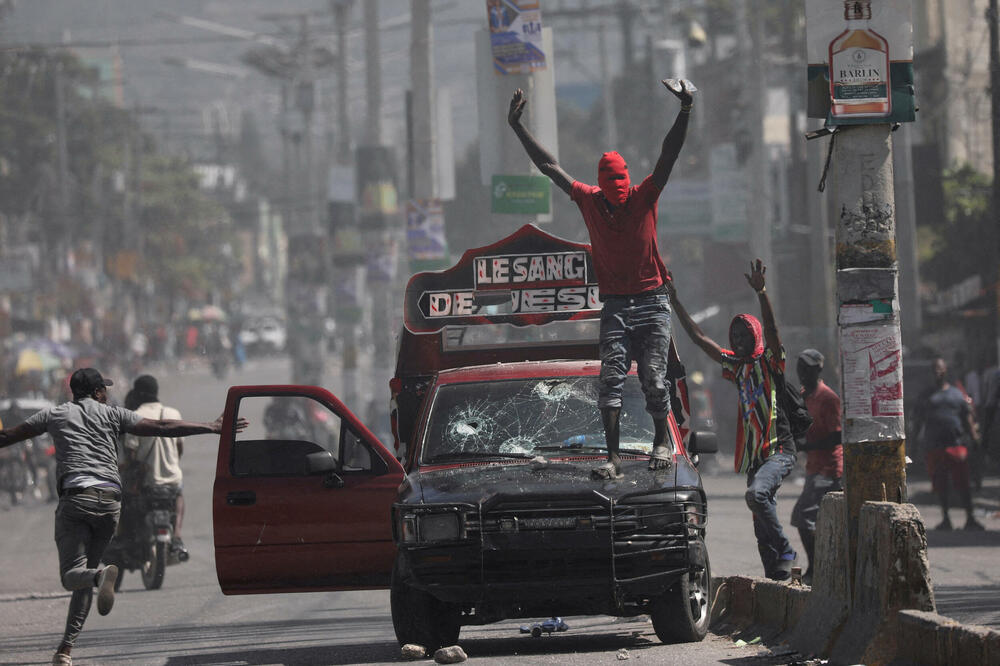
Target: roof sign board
point(528, 278)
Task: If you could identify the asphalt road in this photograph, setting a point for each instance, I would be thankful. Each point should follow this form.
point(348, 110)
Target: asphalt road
point(190, 622)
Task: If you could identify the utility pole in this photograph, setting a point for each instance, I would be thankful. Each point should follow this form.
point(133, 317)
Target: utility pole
point(992, 18)
point(873, 435)
point(62, 172)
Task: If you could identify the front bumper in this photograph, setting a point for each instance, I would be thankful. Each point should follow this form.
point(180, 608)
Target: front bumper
point(561, 554)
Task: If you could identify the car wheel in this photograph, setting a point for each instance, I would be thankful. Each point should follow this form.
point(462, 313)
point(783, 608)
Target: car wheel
point(536, 632)
point(682, 613)
point(420, 618)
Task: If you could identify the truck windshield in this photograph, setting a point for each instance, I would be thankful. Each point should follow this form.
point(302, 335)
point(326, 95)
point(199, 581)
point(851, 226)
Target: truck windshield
point(527, 417)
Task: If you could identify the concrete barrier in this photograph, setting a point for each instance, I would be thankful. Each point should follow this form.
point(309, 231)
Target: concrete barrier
point(827, 607)
point(892, 575)
point(930, 639)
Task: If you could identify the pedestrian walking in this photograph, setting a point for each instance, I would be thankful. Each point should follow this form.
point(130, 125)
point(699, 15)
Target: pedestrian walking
point(824, 451)
point(945, 428)
point(635, 317)
point(765, 448)
point(85, 431)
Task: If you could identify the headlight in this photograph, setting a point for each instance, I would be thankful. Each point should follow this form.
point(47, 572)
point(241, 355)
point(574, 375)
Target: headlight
point(659, 516)
point(430, 527)
point(439, 527)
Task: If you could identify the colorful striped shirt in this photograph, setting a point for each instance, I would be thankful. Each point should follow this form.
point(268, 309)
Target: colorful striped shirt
point(757, 430)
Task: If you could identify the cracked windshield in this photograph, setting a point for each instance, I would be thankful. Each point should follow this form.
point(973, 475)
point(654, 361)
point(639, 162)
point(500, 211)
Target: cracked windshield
point(525, 418)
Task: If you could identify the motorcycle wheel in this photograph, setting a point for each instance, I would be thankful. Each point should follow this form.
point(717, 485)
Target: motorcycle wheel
point(154, 564)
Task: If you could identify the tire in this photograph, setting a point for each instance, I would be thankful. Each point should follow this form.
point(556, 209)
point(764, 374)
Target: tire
point(682, 613)
point(419, 618)
point(154, 565)
point(536, 632)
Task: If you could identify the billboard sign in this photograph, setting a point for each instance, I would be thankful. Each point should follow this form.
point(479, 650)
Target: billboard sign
point(860, 61)
point(516, 35)
point(521, 195)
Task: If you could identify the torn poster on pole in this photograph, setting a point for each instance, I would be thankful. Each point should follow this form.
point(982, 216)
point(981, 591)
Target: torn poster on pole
point(516, 36)
point(873, 371)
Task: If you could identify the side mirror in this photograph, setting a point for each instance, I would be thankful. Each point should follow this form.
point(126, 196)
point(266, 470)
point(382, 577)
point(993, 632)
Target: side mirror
point(320, 462)
point(703, 441)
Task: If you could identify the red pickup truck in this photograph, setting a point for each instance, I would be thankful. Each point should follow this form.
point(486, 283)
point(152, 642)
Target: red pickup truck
point(483, 508)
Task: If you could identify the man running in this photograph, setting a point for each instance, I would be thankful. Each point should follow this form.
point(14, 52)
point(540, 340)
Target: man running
point(85, 432)
point(631, 276)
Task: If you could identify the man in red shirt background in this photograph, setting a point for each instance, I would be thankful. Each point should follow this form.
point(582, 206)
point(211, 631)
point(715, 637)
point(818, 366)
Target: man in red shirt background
point(824, 451)
point(635, 318)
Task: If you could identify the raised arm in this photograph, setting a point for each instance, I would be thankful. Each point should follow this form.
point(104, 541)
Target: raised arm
point(707, 344)
point(19, 433)
point(755, 278)
point(674, 139)
point(542, 158)
point(179, 428)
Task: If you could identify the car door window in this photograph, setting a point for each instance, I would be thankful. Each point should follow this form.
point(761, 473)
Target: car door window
point(298, 436)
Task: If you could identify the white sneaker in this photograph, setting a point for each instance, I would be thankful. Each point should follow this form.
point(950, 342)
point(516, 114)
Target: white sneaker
point(106, 588)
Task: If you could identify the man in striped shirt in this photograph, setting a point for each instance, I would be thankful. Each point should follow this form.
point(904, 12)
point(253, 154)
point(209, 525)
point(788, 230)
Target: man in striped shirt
point(765, 448)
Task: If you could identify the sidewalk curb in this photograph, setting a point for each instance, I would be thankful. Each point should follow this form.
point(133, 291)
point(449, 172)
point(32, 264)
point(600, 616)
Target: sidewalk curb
point(887, 618)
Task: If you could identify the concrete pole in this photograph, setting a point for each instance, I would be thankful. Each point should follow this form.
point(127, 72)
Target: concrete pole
point(906, 227)
point(873, 434)
point(422, 83)
point(373, 76)
point(992, 18)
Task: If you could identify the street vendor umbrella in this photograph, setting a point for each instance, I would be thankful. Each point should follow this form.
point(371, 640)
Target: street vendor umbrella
point(30, 360)
point(213, 313)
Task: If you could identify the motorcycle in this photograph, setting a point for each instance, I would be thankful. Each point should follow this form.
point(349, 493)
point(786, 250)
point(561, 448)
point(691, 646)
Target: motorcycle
point(144, 536)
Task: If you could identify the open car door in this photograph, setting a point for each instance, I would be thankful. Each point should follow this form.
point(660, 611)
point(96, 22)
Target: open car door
point(303, 496)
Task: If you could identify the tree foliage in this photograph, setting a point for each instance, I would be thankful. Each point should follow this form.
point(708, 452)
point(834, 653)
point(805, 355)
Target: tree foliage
point(962, 244)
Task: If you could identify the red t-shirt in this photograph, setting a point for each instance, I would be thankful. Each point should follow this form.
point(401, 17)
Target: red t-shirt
point(824, 408)
point(626, 255)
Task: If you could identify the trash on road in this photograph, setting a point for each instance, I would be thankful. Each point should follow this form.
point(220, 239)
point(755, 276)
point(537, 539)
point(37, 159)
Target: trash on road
point(623, 655)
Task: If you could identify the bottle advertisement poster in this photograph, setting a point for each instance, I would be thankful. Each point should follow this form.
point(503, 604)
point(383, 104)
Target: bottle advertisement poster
point(872, 371)
point(516, 35)
point(860, 61)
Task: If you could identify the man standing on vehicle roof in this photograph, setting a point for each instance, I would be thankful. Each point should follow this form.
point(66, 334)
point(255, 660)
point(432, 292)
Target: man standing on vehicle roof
point(635, 319)
point(765, 448)
point(85, 432)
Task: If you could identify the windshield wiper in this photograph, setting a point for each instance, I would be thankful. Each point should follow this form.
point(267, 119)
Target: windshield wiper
point(462, 455)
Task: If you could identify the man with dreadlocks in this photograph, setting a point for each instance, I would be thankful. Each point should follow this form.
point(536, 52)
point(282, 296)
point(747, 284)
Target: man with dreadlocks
point(631, 276)
point(765, 448)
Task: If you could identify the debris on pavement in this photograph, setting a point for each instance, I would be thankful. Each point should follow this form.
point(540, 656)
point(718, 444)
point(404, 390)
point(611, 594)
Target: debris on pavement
point(623, 655)
point(450, 655)
point(411, 651)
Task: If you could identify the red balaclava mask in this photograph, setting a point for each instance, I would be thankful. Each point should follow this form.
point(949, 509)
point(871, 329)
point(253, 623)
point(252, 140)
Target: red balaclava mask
point(615, 189)
point(756, 330)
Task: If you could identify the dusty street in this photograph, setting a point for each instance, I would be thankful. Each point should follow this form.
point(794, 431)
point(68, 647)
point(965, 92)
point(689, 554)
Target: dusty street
point(190, 622)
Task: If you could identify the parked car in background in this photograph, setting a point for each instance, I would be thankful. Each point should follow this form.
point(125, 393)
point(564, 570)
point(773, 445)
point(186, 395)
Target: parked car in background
point(264, 335)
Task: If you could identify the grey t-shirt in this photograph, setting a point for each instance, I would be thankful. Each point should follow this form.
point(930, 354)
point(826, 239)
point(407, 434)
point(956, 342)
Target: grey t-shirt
point(85, 433)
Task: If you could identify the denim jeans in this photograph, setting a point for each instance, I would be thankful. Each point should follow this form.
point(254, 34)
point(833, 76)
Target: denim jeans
point(636, 328)
point(807, 507)
point(84, 527)
point(762, 485)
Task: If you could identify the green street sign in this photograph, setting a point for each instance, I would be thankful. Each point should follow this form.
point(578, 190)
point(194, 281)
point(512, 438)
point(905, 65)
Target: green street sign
point(521, 195)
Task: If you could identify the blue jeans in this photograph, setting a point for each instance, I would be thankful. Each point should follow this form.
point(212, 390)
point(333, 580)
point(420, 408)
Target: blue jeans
point(84, 527)
point(762, 485)
point(636, 328)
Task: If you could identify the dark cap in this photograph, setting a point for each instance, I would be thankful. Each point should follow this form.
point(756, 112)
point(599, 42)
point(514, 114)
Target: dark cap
point(811, 357)
point(85, 380)
point(146, 385)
